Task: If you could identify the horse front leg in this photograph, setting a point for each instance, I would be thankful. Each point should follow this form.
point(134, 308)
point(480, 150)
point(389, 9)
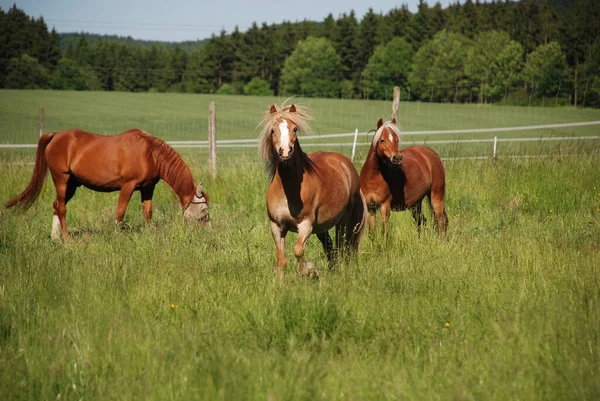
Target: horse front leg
point(305, 268)
point(385, 208)
point(372, 208)
point(124, 198)
point(279, 238)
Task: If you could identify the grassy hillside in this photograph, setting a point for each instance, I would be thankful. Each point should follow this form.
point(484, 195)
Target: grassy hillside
point(185, 116)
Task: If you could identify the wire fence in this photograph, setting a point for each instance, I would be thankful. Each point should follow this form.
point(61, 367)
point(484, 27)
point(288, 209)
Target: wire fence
point(455, 130)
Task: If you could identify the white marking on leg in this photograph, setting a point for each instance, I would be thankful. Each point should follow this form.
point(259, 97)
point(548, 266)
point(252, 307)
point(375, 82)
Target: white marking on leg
point(55, 234)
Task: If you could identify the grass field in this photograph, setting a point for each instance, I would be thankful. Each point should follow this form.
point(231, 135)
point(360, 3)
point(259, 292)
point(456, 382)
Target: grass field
point(506, 307)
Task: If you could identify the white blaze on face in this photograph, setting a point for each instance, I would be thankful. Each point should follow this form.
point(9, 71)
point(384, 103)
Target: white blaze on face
point(55, 228)
point(284, 139)
point(391, 137)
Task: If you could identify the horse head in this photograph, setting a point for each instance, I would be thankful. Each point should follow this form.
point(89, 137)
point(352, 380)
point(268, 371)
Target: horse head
point(197, 209)
point(283, 134)
point(385, 142)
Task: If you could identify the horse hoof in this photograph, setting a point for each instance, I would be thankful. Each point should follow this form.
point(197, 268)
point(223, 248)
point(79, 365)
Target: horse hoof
point(308, 269)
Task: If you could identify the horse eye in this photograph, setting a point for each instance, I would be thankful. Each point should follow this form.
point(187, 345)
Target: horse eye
point(272, 131)
point(382, 141)
point(295, 129)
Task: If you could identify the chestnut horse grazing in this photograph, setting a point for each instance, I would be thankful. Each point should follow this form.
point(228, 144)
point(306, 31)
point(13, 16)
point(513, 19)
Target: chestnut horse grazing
point(308, 193)
point(133, 160)
point(393, 179)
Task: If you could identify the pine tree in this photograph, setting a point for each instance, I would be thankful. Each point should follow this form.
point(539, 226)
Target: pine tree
point(344, 41)
point(398, 19)
point(366, 42)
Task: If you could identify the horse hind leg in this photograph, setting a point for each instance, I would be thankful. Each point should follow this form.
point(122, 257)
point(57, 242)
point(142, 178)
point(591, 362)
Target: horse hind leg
point(419, 216)
point(327, 243)
point(65, 189)
point(352, 229)
point(439, 211)
point(147, 194)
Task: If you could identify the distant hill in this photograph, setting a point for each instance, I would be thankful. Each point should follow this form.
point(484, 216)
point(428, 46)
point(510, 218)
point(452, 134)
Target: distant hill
point(73, 37)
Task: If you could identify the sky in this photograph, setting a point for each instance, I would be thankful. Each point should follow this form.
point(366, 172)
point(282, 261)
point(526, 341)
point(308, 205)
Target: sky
point(183, 20)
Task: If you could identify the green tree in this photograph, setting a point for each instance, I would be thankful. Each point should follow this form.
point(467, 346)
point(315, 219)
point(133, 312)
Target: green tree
point(176, 68)
point(366, 41)
point(26, 73)
point(328, 27)
point(493, 64)
point(579, 30)
point(313, 69)
point(258, 87)
point(398, 20)
point(68, 75)
point(344, 42)
point(388, 67)
point(438, 70)
point(198, 77)
point(226, 89)
point(420, 29)
point(547, 68)
point(591, 77)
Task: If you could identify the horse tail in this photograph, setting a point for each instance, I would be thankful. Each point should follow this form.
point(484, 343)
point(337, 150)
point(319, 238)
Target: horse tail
point(358, 220)
point(26, 198)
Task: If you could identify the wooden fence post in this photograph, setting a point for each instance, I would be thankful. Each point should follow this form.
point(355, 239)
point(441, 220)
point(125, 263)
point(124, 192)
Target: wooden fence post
point(396, 103)
point(354, 144)
point(41, 120)
point(212, 141)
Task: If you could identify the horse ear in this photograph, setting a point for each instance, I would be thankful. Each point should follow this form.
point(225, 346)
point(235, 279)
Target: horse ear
point(379, 123)
point(273, 109)
point(393, 120)
point(293, 108)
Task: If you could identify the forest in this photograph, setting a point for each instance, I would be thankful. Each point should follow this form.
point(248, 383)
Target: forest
point(528, 51)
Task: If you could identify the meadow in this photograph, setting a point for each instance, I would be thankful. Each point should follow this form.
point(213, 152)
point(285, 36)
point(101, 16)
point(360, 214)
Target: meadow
point(507, 306)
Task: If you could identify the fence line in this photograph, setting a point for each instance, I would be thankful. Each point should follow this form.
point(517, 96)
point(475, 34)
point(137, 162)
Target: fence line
point(250, 143)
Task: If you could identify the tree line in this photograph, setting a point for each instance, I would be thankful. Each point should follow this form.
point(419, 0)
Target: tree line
point(476, 52)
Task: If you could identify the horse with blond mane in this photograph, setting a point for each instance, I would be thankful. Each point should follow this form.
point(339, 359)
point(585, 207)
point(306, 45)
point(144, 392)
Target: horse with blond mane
point(393, 179)
point(128, 162)
point(308, 193)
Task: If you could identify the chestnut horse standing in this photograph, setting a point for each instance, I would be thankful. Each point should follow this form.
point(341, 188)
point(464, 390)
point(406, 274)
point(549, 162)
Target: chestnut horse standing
point(393, 179)
point(308, 193)
point(133, 160)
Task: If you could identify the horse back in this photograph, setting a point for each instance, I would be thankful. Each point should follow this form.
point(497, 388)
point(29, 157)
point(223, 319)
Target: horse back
point(99, 161)
point(424, 161)
point(332, 167)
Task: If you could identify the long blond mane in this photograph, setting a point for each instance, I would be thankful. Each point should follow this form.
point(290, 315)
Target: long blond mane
point(300, 118)
point(388, 124)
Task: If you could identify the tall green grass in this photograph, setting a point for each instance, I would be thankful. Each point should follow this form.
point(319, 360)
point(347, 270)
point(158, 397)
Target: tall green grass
point(506, 307)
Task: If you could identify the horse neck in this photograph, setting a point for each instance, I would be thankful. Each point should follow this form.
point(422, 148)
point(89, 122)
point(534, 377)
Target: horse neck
point(173, 170)
point(291, 172)
point(376, 169)
point(372, 165)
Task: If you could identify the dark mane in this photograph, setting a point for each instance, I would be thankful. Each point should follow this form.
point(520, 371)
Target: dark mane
point(300, 163)
point(170, 166)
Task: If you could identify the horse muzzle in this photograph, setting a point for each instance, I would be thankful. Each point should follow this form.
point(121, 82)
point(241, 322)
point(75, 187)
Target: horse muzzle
point(396, 160)
point(285, 157)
